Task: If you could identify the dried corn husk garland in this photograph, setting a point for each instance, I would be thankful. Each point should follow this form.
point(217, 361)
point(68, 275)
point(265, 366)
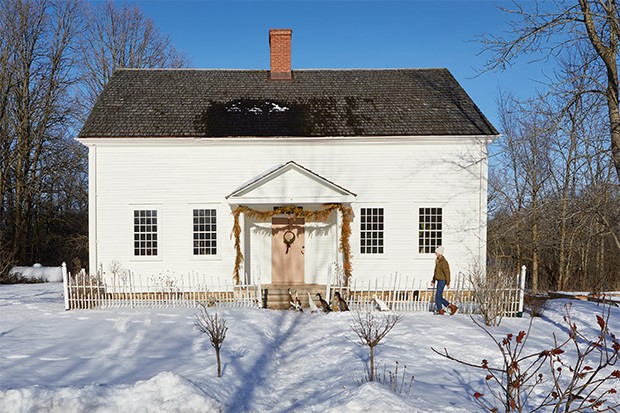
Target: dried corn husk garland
point(318, 215)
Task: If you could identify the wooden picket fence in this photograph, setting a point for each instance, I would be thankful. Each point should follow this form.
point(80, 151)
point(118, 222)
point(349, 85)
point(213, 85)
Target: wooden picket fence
point(401, 295)
point(82, 291)
point(161, 291)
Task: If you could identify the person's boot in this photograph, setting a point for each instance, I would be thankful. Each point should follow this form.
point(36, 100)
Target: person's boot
point(453, 309)
point(441, 312)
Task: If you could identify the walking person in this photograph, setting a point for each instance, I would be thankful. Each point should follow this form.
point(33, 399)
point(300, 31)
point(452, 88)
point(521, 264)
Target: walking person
point(442, 277)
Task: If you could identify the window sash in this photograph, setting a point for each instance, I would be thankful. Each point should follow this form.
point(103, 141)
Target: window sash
point(430, 235)
point(372, 227)
point(145, 226)
point(204, 232)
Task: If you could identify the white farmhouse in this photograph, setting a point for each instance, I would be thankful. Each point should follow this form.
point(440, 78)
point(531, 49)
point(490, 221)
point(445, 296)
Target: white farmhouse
point(279, 174)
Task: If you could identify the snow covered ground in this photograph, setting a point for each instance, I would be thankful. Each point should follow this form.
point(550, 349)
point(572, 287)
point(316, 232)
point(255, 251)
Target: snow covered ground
point(38, 272)
point(156, 360)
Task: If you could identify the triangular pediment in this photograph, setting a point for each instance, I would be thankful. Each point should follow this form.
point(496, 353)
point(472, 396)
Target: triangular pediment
point(290, 183)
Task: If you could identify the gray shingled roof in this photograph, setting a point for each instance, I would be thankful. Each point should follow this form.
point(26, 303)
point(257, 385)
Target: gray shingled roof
point(316, 103)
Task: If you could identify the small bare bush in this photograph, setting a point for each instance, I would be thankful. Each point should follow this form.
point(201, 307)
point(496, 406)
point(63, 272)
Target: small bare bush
point(535, 305)
point(215, 327)
point(371, 328)
point(19, 278)
point(490, 291)
point(395, 380)
point(116, 269)
point(76, 265)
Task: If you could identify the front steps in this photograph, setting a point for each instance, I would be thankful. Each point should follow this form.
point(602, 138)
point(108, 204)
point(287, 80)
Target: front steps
point(275, 297)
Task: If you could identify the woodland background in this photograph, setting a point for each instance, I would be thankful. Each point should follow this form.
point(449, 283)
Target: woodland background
point(554, 193)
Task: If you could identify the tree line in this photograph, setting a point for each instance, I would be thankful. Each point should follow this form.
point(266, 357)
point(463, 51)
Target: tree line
point(554, 194)
point(55, 58)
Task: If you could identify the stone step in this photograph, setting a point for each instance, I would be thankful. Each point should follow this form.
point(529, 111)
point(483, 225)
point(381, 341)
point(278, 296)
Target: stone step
point(277, 298)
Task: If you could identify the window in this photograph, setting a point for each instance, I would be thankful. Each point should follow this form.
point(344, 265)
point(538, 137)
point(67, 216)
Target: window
point(205, 232)
point(430, 229)
point(145, 232)
point(371, 227)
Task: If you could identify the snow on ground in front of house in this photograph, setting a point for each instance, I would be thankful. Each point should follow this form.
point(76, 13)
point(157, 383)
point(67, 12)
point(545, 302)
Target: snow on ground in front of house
point(155, 360)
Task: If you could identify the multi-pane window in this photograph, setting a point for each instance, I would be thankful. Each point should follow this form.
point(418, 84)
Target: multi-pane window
point(371, 230)
point(145, 232)
point(205, 233)
point(430, 230)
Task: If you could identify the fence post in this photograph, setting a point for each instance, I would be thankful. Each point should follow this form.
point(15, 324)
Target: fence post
point(328, 284)
point(521, 290)
point(259, 285)
point(65, 284)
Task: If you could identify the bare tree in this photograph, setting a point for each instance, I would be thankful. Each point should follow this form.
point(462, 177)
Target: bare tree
point(371, 328)
point(554, 202)
point(121, 37)
point(578, 119)
point(550, 29)
point(524, 171)
point(6, 262)
point(215, 327)
point(43, 170)
point(37, 109)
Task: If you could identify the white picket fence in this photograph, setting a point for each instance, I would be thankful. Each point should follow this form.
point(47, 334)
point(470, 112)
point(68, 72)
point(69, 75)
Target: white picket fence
point(401, 295)
point(187, 290)
point(160, 291)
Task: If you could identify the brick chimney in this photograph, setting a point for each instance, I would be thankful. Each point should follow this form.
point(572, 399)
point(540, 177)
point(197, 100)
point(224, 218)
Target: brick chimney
point(280, 51)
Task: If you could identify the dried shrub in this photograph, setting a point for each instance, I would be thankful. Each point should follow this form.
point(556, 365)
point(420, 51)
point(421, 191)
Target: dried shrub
point(490, 290)
point(18, 278)
point(371, 328)
point(215, 327)
point(535, 305)
point(575, 375)
point(395, 380)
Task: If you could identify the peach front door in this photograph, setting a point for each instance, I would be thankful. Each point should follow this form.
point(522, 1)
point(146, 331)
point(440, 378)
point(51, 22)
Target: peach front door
point(287, 251)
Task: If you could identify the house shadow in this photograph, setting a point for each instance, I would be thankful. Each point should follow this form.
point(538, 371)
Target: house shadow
point(256, 376)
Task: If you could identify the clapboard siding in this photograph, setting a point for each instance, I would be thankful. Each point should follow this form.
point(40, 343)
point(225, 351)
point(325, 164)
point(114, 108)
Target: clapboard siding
point(397, 174)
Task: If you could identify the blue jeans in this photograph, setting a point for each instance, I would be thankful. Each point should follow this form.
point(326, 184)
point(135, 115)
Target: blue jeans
point(439, 300)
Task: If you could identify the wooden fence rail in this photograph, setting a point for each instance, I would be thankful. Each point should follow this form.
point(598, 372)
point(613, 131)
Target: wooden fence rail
point(83, 291)
point(402, 295)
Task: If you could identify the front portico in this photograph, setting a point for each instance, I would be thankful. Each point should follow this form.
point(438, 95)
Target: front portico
point(290, 225)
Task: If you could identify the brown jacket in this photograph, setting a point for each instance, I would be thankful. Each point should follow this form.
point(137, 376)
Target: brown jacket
point(442, 270)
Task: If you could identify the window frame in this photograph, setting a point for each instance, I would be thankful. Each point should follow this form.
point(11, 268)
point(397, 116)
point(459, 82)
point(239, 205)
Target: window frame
point(148, 235)
point(430, 229)
point(378, 218)
point(188, 234)
point(213, 232)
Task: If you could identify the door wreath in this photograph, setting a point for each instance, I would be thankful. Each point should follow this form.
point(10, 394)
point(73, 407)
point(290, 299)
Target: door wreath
point(288, 237)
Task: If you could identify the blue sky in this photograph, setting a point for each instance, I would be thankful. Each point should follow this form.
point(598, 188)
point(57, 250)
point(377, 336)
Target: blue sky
point(348, 34)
